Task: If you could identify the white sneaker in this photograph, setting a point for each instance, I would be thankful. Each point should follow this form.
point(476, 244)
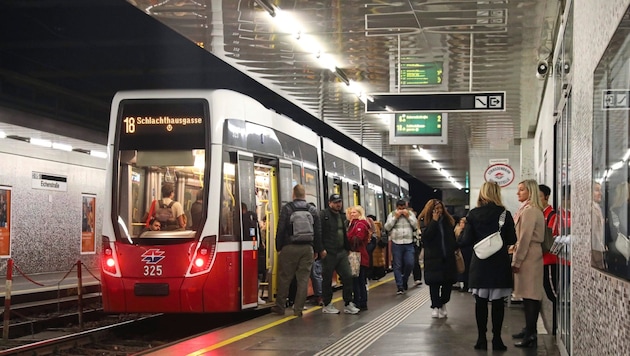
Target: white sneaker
point(330, 309)
point(442, 313)
point(351, 309)
point(435, 313)
point(261, 301)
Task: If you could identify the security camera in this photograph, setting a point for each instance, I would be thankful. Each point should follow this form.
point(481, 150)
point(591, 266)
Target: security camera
point(542, 69)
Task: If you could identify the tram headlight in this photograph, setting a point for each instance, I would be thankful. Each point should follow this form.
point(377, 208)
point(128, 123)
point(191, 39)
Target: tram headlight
point(109, 264)
point(202, 259)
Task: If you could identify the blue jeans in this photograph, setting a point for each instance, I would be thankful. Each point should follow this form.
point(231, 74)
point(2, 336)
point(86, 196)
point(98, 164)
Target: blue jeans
point(316, 278)
point(403, 263)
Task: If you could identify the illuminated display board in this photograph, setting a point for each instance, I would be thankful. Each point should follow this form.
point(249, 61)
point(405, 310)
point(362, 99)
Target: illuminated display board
point(162, 124)
point(421, 73)
point(418, 124)
point(418, 129)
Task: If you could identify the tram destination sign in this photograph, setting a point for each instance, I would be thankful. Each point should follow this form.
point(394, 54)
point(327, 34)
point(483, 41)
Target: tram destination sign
point(436, 102)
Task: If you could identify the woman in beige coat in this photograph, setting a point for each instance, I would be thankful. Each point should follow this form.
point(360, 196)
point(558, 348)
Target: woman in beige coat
point(527, 263)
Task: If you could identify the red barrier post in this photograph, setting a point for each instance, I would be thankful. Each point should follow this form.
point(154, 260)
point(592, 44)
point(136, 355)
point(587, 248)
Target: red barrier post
point(80, 294)
point(7, 299)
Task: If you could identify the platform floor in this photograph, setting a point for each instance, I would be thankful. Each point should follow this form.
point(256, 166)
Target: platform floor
point(393, 325)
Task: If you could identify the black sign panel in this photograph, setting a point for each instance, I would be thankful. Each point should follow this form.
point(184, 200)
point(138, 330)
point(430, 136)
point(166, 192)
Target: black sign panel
point(436, 102)
point(162, 124)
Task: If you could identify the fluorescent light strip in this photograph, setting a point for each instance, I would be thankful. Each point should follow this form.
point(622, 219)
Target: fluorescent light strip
point(98, 154)
point(40, 142)
point(427, 156)
point(61, 146)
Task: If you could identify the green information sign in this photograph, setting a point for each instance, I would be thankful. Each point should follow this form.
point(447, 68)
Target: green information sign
point(421, 73)
point(418, 124)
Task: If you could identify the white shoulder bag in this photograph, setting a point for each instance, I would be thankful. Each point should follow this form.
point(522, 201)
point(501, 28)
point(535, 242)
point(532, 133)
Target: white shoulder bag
point(491, 243)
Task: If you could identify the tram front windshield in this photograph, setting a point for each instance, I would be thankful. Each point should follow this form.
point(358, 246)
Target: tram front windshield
point(161, 145)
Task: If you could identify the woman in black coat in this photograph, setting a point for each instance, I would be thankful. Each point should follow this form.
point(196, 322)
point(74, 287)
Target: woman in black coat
point(489, 279)
point(438, 241)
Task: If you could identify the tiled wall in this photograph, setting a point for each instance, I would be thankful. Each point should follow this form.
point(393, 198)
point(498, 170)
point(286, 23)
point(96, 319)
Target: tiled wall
point(46, 224)
point(600, 303)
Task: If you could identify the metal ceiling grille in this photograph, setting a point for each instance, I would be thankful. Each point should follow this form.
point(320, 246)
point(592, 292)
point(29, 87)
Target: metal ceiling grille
point(471, 45)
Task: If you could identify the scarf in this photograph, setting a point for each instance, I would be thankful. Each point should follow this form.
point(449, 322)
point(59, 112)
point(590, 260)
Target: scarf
point(520, 210)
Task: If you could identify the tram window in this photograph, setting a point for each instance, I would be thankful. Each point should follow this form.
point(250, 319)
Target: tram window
point(230, 208)
point(310, 185)
point(141, 174)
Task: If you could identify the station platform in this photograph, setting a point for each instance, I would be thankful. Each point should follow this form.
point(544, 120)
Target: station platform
point(46, 282)
point(393, 325)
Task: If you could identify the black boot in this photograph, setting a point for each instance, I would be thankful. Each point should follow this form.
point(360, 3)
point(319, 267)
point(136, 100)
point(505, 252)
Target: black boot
point(520, 334)
point(498, 312)
point(532, 309)
point(528, 341)
point(481, 315)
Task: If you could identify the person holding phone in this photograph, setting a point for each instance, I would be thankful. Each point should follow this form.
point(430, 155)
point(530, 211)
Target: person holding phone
point(438, 240)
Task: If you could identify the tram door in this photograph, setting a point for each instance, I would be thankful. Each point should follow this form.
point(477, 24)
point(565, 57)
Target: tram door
point(249, 230)
point(267, 211)
point(285, 195)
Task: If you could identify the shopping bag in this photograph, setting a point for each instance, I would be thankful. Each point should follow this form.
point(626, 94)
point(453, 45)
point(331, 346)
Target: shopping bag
point(355, 262)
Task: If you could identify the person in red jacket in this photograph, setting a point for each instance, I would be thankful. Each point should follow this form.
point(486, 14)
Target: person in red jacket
point(550, 261)
point(359, 235)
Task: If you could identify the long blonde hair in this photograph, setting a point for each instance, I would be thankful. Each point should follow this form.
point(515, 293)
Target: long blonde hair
point(532, 187)
point(490, 192)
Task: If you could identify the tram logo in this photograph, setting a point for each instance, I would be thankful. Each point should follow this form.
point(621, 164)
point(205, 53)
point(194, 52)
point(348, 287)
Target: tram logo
point(500, 173)
point(153, 256)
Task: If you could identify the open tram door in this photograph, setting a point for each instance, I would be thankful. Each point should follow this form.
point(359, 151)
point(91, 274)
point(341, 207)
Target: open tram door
point(249, 230)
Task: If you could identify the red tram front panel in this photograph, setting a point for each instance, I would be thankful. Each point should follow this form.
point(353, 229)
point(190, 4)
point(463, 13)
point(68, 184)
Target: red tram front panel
point(154, 280)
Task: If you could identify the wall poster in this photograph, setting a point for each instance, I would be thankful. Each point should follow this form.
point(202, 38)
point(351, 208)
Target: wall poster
point(5, 221)
point(87, 224)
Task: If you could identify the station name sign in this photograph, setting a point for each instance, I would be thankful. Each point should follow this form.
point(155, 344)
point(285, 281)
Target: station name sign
point(48, 181)
point(436, 102)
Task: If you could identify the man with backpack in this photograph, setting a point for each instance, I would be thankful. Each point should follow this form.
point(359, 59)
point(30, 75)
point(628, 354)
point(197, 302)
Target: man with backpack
point(168, 211)
point(297, 237)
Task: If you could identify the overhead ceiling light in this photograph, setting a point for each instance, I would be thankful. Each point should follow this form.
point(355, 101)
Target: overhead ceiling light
point(40, 142)
point(61, 146)
point(2, 134)
point(99, 154)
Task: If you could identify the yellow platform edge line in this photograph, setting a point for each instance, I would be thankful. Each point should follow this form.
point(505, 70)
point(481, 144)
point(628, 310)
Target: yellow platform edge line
point(273, 324)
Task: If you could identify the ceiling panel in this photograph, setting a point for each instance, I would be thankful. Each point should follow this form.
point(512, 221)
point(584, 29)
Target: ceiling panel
point(482, 45)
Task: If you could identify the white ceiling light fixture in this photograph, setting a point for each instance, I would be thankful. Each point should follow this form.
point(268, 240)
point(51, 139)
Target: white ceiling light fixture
point(3, 134)
point(98, 154)
point(62, 146)
point(40, 142)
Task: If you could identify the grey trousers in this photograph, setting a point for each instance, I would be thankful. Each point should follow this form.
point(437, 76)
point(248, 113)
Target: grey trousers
point(294, 261)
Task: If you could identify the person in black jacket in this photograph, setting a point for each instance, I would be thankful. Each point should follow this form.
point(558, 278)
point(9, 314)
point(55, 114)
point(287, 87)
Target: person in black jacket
point(335, 256)
point(295, 253)
point(490, 279)
point(438, 241)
